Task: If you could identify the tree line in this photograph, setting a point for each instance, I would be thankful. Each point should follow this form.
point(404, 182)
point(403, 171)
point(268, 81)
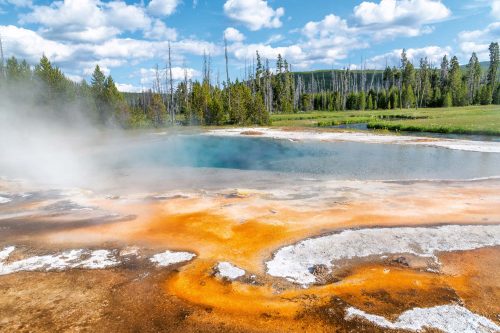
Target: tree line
point(45, 88)
point(263, 91)
point(251, 100)
point(210, 102)
point(405, 86)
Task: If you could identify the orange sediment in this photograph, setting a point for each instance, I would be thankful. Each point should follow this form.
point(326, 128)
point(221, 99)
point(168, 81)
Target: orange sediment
point(246, 230)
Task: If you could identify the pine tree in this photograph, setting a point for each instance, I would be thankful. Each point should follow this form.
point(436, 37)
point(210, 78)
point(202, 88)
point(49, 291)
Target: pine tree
point(382, 100)
point(157, 110)
point(445, 68)
point(408, 71)
point(53, 87)
point(437, 98)
point(485, 95)
point(493, 69)
point(447, 101)
point(496, 95)
point(473, 79)
point(370, 102)
point(425, 87)
point(279, 64)
point(387, 77)
point(456, 85)
point(99, 92)
point(362, 101)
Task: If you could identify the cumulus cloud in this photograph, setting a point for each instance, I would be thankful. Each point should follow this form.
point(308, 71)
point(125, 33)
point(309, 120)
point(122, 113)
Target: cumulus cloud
point(74, 78)
point(233, 35)
point(80, 58)
point(29, 45)
point(162, 7)
point(254, 14)
point(292, 53)
point(327, 42)
point(95, 21)
point(160, 31)
point(126, 87)
point(495, 9)
point(330, 39)
point(433, 53)
point(74, 20)
point(396, 11)
point(479, 40)
point(394, 18)
point(125, 17)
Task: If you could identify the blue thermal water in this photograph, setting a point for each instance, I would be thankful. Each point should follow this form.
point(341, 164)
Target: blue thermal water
point(339, 160)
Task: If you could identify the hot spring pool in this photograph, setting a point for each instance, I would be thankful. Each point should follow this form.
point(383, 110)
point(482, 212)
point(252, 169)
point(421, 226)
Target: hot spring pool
point(336, 160)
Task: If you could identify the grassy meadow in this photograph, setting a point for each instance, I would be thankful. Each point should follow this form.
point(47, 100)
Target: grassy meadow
point(483, 120)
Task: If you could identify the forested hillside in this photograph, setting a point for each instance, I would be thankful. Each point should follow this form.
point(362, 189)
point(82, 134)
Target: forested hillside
point(325, 79)
point(403, 87)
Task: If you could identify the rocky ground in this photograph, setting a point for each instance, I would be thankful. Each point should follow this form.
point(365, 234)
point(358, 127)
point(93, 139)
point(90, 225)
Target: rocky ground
point(199, 261)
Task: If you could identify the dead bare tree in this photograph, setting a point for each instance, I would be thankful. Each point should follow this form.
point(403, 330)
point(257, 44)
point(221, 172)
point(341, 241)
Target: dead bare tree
point(171, 108)
point(228, 82)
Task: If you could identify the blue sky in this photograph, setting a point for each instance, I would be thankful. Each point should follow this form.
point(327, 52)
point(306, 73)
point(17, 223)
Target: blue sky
point(128, 38)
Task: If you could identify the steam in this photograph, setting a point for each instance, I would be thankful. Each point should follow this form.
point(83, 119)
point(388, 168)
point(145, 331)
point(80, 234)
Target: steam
point(48, 145)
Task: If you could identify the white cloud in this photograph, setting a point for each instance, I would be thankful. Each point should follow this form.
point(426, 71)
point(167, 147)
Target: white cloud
point(196, 47)
point(74, 78)
point(233, 35)
point(81, 58)
point(327, 42)
point(254, 14)
point(396, 18)
point(160, 31)
point(330, 26)
point(95, 21)
point(292, 53)
point(126, 87)
point(398, 11)
point(27, 44)
point(478, 41)
point(71, 19)
point(330, 40)
point(125, 17)
point(162, 7)
point(495, 9)
point(433, 53)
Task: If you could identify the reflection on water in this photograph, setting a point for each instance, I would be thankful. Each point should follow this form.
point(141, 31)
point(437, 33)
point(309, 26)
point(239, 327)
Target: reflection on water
point(338, 160)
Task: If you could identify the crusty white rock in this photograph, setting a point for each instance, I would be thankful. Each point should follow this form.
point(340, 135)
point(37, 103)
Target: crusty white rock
point(294, 262)
point(447, 318)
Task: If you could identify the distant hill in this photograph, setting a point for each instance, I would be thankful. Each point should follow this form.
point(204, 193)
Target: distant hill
point(323, 77)
point(484, 65)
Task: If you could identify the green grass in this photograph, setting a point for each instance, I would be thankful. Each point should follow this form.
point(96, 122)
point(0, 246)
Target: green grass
point(458, 120)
